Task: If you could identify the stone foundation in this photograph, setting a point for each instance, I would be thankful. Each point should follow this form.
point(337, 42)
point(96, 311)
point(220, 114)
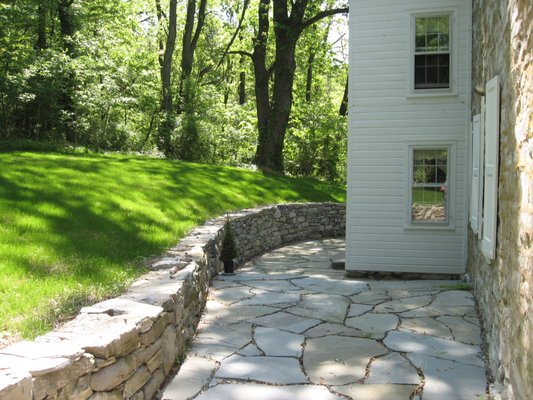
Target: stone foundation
point(124, 348)
point(503, 45)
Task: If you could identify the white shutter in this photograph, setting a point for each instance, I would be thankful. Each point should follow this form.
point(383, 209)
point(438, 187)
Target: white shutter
point(478, 168)
point(476, 162)
point(492, 140)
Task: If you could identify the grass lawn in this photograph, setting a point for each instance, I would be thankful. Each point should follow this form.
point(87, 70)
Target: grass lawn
point(428, 196)
point(76, 228)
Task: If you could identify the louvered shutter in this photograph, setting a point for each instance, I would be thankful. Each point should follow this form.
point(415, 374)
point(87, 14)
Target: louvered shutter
point(476, 163)
point(492, 140)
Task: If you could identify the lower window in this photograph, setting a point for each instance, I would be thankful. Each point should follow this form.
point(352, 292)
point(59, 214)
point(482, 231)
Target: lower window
point(429, 185)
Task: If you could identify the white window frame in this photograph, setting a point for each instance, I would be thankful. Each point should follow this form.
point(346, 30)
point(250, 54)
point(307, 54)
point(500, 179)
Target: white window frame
point(450, 198)
point(452, 90)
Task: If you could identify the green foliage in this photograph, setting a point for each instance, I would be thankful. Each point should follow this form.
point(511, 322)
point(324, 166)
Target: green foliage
point(105, 95)
point(316, 143)
point(165, 134)
point(233, 131)
point(191, 144)
point(228, 246)
point(35, 98)
point(78, 227)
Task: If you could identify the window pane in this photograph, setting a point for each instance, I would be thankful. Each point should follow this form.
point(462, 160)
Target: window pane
point(419, 157)
point(420, 42)
point(432, 71)
point(444, 42)
point(444, 60)
point(441, 174)
point(444, 24)
point(421, 25)
point(433, 25)
point(442, 157)
point(420, 77)
point(433, 42)
point(444, 77)
point(432, 75)
point(429, 205)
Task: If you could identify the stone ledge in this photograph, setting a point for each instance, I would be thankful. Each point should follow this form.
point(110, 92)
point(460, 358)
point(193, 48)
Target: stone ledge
point(124, 347)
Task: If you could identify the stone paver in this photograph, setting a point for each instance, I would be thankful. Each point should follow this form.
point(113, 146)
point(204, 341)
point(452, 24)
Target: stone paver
point(339, 360)
point(412, 342)
point(268, 298)
point(376, 391)
point(325, 307)
point(449, 379)
point(376, 325)
point(194, 374)
point(280, 370)
point(275, 342)
point(286, 322)
point(465, 333)
point(267, 392)
point(427, 326)
point(392, 368)
point(288, 327)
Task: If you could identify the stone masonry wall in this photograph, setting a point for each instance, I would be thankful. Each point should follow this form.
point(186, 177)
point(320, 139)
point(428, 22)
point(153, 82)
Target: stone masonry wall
point(503, 45)
point(124, 348)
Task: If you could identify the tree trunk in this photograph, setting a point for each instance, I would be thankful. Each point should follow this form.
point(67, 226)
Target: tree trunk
point(280, 108)
point(66, 23)
point(166, 68)
point(189, 42)
point(242, 88)
point(41, 43)
point(309, 78)
point(261, 85)
point(343, 109)
point(273, 116)
point(67, 28)
point(164, 132)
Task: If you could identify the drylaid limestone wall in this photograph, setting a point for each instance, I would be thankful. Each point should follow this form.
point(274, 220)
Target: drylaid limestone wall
point(503, 45)
point(124, 348)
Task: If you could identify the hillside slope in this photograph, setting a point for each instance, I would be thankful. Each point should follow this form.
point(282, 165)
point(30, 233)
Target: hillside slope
point(76, 228)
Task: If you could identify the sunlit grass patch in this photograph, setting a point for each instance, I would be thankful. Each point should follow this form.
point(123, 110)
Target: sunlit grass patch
point(75, 228)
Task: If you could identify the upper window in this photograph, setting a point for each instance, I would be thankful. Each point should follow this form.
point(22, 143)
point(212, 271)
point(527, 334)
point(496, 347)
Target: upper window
point(432, 52)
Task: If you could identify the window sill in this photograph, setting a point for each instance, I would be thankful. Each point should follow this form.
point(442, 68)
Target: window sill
point(429, 227)
point(431, 93)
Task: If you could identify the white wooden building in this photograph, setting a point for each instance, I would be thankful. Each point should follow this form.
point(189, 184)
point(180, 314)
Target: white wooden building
point(409, 130)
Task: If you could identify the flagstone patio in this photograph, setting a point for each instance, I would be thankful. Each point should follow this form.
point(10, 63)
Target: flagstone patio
point(287, 326)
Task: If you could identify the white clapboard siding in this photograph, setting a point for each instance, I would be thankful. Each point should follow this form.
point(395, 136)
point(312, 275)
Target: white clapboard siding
point(383, 121)
point(492, 141)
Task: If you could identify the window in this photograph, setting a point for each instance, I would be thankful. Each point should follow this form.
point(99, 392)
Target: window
point(432, 52)
point(429, 185)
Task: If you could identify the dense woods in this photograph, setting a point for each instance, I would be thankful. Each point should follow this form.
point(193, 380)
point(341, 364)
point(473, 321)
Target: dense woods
point(253, 82)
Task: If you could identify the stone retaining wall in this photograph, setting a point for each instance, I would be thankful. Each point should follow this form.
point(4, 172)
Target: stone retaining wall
point(503, 45)
point(124, 348)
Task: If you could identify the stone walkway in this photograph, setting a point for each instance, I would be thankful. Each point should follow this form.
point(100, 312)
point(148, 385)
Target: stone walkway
point(288, 327)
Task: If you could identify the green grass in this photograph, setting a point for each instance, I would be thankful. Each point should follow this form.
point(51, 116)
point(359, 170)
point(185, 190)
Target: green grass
point(456, 286)
point(428, 196)
point(77, 228)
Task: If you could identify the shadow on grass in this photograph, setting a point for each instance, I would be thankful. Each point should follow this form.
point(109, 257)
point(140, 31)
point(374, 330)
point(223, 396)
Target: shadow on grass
point(92, 219)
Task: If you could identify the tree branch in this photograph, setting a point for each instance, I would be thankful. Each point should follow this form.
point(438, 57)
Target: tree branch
point(239, 26)
point(241, 52)
point(322, 15)
point(199, 24)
